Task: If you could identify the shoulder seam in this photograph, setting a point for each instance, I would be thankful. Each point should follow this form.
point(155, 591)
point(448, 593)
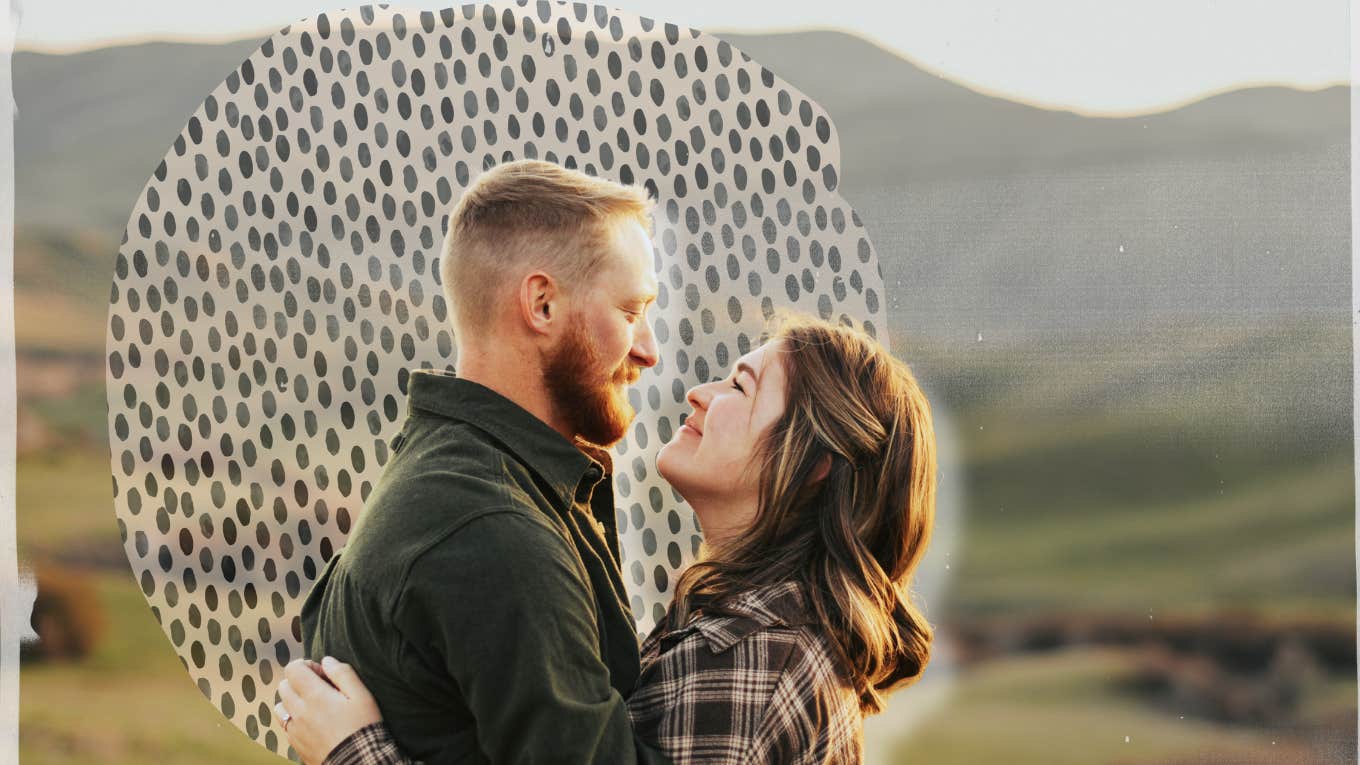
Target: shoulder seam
point(512, 510)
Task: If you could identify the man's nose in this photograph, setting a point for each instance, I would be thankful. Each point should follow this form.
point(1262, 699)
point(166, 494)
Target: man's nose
point(644, 352)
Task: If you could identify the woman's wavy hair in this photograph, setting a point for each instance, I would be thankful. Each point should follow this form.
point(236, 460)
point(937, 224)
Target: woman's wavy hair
point(853, 538)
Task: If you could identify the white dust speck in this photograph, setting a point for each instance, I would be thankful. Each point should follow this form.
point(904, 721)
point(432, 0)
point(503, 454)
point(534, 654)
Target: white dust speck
point(28, 592)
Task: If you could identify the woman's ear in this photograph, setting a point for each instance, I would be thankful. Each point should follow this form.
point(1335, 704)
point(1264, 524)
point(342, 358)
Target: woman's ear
point(820, 471)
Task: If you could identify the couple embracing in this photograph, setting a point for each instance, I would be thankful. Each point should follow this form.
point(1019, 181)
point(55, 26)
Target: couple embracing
point(479, 597)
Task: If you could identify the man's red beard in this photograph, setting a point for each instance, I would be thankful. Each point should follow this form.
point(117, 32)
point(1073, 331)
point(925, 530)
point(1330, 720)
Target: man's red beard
point(584, 394)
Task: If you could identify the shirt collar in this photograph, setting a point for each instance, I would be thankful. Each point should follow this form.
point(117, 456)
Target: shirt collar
point(772, 605)
point(563, 464)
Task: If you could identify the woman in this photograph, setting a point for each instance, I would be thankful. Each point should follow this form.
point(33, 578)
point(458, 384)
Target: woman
point(811, 468)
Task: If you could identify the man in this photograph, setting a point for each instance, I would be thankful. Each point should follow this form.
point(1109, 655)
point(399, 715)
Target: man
point(479, 594)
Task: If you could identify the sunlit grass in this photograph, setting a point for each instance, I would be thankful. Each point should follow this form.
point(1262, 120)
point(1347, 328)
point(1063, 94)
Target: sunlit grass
point(53, 321)
point(64, 498)
point(1065, 708)
point(1282, 537)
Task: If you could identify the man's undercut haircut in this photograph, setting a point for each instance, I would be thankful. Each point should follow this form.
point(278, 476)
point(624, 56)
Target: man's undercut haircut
point(529, 215)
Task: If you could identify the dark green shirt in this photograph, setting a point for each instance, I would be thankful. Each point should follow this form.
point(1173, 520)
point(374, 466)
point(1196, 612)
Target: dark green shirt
point(479, 595)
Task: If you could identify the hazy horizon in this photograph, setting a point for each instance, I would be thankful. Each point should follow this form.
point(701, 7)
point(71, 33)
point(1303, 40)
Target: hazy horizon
point(1153, 110)
point(1056, 55)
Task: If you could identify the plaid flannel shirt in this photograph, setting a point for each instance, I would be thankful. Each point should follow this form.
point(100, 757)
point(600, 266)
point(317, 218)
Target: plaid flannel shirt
point(371, 744)
point(757, 683)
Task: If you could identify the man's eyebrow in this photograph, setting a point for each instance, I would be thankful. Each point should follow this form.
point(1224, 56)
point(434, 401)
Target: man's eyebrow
point(646, 297)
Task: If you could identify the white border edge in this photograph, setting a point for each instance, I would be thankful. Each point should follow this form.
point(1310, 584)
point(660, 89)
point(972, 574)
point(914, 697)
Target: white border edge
point(1355, 297)
point(15, 598)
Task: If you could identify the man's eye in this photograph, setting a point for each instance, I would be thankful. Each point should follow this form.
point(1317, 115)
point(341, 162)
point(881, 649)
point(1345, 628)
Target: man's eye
point(737, 385)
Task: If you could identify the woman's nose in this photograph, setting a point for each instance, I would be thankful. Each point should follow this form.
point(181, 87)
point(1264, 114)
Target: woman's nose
point(698, 396)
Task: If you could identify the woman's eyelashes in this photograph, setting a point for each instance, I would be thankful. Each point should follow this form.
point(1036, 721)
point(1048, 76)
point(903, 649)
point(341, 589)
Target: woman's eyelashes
point(736, 385)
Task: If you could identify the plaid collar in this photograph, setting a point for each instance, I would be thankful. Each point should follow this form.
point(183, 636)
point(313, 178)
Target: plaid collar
point(772, 605)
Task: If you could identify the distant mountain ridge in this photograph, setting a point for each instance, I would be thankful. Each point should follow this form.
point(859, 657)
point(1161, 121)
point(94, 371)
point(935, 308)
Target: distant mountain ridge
point(883, 106)
point(955, 131)
point(988, 215)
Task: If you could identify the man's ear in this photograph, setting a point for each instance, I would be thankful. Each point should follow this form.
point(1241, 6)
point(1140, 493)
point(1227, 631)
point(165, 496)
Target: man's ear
point(539, 302)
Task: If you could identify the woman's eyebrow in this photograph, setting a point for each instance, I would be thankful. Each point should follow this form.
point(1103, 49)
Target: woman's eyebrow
point(744, 367)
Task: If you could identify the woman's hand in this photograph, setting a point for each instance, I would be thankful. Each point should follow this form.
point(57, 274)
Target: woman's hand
point(322, 705)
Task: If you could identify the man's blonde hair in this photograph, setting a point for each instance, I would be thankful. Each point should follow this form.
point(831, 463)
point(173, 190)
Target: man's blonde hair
point(527, 215)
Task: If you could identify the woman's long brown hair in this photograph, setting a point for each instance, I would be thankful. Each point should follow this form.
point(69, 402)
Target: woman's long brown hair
point(853, 538)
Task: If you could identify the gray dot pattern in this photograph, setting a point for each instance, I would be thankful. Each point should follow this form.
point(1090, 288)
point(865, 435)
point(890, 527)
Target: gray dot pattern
point(279, 279)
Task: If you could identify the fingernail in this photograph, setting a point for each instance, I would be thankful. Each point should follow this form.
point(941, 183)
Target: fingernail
point(329, 662)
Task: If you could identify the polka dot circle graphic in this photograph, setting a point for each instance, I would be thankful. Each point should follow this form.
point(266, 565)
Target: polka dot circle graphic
point(278, 281)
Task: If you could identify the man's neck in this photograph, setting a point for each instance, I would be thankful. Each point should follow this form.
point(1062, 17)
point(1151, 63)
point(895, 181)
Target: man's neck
point(508, 375)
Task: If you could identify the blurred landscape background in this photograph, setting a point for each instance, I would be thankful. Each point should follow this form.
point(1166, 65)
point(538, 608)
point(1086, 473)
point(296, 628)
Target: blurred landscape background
point(1138, 327)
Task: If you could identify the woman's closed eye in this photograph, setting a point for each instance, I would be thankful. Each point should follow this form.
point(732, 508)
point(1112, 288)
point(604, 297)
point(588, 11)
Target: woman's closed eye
point(737, 385)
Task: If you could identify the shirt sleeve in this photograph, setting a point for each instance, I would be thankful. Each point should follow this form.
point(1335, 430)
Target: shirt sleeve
point(370, 745)
point(505, 606)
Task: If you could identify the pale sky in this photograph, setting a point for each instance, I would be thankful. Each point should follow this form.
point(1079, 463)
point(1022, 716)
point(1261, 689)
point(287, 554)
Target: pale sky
point(1091, 56)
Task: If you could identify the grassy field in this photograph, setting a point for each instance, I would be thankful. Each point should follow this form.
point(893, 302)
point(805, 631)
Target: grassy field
point(65, 500)
point(1178, 467)
point(61, 301)
point(1276, 542)
point(1066, 708)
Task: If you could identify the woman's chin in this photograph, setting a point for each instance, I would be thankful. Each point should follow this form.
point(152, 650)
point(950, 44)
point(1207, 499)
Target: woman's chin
point(664, 458)
point(670, 465)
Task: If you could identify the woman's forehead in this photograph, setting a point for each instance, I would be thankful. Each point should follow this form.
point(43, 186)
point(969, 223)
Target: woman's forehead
point(762, 356)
